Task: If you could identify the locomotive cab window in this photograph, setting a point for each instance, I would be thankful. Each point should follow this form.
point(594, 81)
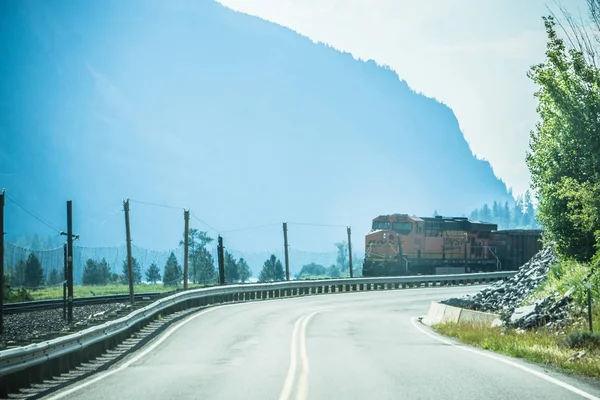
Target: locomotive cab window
point(381, 225)
point(403, 228)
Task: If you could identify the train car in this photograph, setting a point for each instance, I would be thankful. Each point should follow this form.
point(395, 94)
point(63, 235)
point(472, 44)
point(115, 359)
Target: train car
point(516, 246)
point(400, 244)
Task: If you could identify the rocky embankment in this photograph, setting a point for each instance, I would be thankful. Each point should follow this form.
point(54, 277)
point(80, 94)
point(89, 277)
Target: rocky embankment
point(506, 297)
point(36, 326)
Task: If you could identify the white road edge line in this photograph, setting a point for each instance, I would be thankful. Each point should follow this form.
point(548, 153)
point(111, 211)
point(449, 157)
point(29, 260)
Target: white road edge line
point(137, 357)
point(509, 362)
point(289, 379)
point(303, 380)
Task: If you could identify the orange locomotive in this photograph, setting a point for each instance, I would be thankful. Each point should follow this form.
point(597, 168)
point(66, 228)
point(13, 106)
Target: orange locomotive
point(400, 244)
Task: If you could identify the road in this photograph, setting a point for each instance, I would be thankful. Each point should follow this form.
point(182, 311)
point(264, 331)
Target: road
point(342, 346)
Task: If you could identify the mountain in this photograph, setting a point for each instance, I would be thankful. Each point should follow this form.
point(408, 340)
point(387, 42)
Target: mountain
point(191, 104)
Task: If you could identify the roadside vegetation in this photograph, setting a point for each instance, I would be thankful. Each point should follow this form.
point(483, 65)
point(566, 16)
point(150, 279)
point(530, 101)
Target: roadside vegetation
point(564, 163)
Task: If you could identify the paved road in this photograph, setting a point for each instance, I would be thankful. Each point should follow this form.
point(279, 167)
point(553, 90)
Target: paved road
point(343, 346)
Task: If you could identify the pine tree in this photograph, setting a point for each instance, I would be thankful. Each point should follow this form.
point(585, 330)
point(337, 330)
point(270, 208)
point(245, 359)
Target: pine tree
point(34, 273)
point(173, 274)
point(244, 270)
point(272, 270)
point(153, 273)
point(137, 272)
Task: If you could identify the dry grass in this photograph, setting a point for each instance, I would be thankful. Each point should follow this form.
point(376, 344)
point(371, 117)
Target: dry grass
point(541, 346)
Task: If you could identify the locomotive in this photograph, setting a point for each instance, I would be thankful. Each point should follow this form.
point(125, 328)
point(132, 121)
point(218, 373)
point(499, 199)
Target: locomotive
point(399, 244)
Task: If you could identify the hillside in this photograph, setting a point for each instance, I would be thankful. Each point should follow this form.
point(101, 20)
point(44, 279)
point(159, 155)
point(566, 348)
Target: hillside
point(195, 105)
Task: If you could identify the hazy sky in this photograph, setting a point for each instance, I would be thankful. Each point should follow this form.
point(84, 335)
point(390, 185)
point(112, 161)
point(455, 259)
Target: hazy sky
point(472, 55)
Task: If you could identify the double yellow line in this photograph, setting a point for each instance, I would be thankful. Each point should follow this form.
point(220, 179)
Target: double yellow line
point(298, 346)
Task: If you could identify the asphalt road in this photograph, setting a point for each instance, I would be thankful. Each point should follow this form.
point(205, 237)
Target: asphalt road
point(342, 346)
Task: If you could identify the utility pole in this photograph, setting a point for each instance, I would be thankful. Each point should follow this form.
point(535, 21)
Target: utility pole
point(186, 241)
point(221, 260)
point(65, 280)
point(70, 259)
point(129, 258)
point(350, 251)
point(287, 256)
point(2, 260)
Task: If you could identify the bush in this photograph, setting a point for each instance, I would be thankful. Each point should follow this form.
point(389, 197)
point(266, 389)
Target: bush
point(583, 340)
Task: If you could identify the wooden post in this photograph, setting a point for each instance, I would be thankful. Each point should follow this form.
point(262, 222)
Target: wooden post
point(70, 260)
point(186, 241)
point(65, 280)
point(2, 260)
point(221, 260)
point(129, 257)
point(350, 251)
point(285, 249)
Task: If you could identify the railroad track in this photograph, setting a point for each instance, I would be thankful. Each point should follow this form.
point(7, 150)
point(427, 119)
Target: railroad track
point(15, 308)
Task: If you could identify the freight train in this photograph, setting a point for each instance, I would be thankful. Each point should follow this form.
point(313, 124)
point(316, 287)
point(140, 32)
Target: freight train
point(399, 244)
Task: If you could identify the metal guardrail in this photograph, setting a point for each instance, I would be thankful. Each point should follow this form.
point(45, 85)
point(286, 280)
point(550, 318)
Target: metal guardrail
point(19, 367)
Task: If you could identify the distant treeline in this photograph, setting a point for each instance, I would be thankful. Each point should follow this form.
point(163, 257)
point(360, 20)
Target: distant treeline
point(522, 215)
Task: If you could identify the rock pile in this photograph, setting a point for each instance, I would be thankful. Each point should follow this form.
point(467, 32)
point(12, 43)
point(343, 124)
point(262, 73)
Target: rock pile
point(506, 297)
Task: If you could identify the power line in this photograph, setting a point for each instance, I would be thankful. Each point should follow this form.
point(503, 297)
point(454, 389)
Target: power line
point(250, 228)
point(203, 222)
point(40, 219)
point(325, 225)
point(156, 205)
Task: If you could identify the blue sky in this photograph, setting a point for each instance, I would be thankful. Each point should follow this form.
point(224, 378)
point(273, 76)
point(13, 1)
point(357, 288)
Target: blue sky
point(472, 55)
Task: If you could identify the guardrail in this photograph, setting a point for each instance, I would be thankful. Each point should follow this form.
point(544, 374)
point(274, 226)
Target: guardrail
point(22, 366)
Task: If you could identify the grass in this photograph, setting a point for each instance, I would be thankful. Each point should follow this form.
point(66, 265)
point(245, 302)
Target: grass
point(542, 346)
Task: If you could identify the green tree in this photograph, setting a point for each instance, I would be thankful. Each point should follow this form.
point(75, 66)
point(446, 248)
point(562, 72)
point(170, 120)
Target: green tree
point(506, 216)
point(310, 270)
point(564, 160)
point(17, 275)
point(485, 213)
point(54, 277)
point(96, 273)
point(342, 260)
point(272, 270)
point(232, 273)
point(333, 271)
point(244, 270)
point(153, 273)
point(137, 271)
point(200, 260)
point(173, 274)
point(34, 273)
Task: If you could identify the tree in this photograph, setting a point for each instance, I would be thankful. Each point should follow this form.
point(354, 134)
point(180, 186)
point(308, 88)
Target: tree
point(342, 259)
point(173, 274)
point(153, 273)
point(310, 270)
point(333, 271)
point(137, 272)
point(54, 277)
point(231, 268)
point(17, 276)
point(200, 260)
point(272, 270)
point(563, 157)
point(96, 273)
point(485, 214)
point(34, 273)
point(244, 270)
